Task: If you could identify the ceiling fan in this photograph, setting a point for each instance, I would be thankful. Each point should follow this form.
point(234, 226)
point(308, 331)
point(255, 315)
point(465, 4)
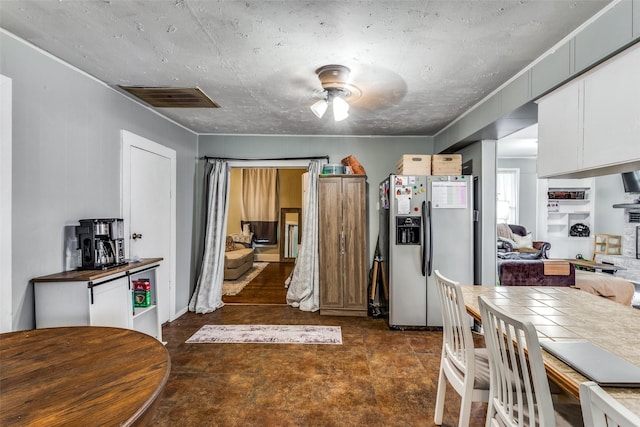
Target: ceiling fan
point(377, 89)
point(336, 90)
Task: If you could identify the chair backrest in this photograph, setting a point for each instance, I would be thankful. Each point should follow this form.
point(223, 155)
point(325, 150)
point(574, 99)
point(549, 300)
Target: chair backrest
point(456, 331)
point(519, 391)
point(599, 409)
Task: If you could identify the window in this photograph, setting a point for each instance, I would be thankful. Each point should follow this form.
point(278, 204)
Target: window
point(507, 185)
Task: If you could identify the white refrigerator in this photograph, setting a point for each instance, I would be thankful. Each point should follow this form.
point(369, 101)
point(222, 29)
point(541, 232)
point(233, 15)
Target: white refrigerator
point(426, 224)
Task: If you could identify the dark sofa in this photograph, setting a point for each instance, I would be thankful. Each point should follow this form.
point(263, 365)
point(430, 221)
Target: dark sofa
point(507, 251)
point(531, 273)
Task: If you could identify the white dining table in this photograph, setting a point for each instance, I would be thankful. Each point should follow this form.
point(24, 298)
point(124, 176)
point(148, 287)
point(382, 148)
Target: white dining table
point(566, 313)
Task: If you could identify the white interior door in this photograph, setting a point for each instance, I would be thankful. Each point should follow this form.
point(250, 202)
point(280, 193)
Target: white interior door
point(148, 190)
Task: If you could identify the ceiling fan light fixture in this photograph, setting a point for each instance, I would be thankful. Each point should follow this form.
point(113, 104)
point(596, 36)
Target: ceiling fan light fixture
point(319, 108)
point(340, 109)
point(337, 91)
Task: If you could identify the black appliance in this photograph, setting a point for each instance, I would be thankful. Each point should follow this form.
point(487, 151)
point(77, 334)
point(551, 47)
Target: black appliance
point(101, 243)
point(631, 182)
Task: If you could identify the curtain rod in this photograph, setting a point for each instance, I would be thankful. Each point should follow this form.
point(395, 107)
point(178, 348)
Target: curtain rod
point(263, 159)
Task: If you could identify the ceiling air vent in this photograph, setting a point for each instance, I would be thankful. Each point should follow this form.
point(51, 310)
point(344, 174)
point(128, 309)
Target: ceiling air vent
point(172, 97)
point(634, 216)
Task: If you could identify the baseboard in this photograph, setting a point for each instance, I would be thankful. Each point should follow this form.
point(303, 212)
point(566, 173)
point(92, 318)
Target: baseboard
point(179, 313)
point(267, 257)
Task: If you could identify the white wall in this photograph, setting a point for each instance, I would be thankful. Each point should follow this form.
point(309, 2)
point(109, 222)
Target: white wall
point(608, 191)
point(66, 164)
point(483, 155)
point(6, 311)
point(527, 190)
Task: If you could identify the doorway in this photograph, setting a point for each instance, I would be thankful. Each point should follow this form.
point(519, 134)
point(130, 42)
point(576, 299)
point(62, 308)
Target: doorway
point(149, 211)
point(269, 286)
point(289, 191)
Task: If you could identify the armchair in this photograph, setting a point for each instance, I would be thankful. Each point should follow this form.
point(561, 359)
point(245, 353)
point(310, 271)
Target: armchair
point(515, 243)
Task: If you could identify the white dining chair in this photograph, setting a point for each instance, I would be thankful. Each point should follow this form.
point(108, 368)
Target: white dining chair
point(519, 393)
point(600, 409)
point(465, 367)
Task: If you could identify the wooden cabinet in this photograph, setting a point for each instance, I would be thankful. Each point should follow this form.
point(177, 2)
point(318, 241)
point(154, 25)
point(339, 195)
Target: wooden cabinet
point(592, 122)
point(342, 234)
point(98, 298)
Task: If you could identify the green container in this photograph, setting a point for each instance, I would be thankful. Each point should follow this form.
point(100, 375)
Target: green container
point(141, 298)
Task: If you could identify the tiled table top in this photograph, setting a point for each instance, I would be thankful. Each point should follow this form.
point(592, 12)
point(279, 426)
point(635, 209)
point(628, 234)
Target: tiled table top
point(560, 313)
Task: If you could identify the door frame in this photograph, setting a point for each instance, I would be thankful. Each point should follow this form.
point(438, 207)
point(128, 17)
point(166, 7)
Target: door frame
point(6, 287)
point(271, 164)
point(130, 140)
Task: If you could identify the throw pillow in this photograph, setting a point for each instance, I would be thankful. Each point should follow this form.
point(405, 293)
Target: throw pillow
point(230, 245)
point(523, 241)
point(505, 231)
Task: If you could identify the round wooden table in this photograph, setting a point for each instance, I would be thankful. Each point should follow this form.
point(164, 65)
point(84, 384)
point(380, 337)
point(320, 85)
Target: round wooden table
point(80, 376)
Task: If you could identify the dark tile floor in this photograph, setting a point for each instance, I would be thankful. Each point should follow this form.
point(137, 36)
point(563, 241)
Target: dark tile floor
point(378, 377)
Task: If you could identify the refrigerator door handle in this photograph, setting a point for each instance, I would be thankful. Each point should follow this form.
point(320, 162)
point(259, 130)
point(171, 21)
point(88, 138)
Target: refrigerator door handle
point(423, 249)
point(430, 260)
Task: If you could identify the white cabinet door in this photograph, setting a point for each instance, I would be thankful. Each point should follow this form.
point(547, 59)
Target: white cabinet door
point(560, 131)
point(612, 112)
point(112, 304)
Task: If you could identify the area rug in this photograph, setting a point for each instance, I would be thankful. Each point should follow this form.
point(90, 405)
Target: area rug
point(268, 334)
point(233, 287)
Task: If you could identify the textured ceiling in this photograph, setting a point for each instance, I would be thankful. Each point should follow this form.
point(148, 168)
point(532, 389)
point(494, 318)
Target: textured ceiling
point(419, 64)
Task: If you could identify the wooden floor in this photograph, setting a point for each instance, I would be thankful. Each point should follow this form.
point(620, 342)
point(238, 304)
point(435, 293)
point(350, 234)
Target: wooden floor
point(377, 377)
point(267, 288)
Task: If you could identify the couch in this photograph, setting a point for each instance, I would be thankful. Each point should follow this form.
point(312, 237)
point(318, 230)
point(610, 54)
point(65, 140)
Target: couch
point(563, 273)
point(535, 273)
point(238, 259)
point(514, 242)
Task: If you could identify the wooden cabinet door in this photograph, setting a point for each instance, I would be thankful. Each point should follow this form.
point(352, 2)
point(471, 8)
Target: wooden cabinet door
point(330, 240)
point(355, 236)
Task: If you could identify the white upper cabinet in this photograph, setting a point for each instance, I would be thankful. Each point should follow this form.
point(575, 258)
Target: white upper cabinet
point(612, 112)
point(560, 131)
point(593, 122)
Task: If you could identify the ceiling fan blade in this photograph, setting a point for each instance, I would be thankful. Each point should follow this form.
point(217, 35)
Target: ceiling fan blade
point(381, 88)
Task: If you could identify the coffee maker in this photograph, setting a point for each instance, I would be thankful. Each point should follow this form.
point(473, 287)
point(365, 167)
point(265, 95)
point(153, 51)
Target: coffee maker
point(101, 243)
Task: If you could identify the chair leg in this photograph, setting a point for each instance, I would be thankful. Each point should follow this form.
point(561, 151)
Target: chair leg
point(442, 389)
point(490, 413)
point(465, 409)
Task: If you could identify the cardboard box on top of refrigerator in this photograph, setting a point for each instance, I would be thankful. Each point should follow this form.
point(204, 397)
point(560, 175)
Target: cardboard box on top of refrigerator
point(446, 164)
point(414, 164)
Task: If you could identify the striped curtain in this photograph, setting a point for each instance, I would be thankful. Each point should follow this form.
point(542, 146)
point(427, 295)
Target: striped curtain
point(260, 204)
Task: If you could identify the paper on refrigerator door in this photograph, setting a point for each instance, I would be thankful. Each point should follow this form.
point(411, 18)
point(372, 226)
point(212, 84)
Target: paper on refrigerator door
point(450, 195)
point(404, 204)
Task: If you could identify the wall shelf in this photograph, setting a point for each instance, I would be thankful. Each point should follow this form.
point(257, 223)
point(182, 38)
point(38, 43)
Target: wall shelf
point(558, 215)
